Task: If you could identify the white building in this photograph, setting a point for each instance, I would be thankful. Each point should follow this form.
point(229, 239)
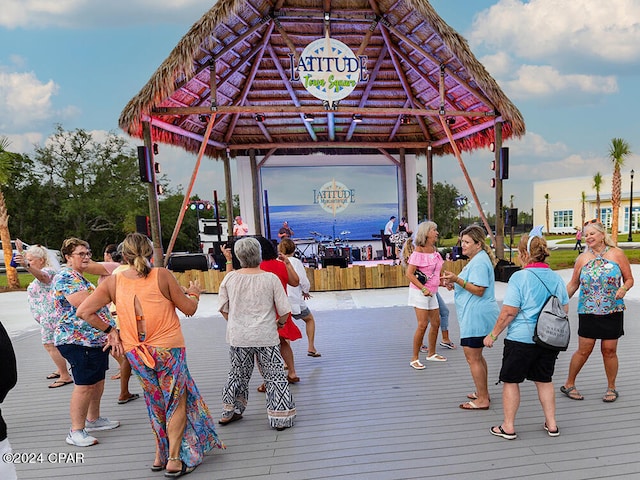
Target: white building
point(565, 203)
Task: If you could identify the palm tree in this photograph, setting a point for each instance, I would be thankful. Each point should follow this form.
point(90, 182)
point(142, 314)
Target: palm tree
point(546, 197)
point(6, 163)
point(597, 185)
point(584, 200)
point(618, 152)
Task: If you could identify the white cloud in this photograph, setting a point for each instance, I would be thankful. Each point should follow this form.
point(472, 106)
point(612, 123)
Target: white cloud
point(559, 31)
point(91, 13)
point(24, 100)
point(543, 81)
point(23, 143)
point(536, 146)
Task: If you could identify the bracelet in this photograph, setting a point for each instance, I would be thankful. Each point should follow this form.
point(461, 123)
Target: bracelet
point(423, 289)
point(624, 288)
point(464, 284)
point(108, 329)
point(193, 295)
point(282, 324)
point(229, 262)
point(493, 337)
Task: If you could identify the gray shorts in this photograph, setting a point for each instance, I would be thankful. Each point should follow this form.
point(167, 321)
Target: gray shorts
point(305, 312)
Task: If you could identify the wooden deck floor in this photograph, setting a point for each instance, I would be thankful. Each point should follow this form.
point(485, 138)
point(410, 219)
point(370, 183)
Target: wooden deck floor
point(363, 413)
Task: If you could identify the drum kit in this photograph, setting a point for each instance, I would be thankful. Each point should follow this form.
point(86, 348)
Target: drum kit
point(329, 248)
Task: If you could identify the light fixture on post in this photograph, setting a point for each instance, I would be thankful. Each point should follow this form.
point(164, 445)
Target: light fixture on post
point(309, 117)
point(356, 117)
point(630, 237)
point(404, 120)
point(451, 121)
point(202, 118)
point(259, 117)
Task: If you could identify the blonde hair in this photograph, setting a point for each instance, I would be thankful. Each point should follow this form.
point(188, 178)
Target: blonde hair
point(286, 246)
point(538, 249)
point(477, 234)
point(38, 251)
point(421, 233)
point(137, 249)
point(407, 250)
point(600, 227)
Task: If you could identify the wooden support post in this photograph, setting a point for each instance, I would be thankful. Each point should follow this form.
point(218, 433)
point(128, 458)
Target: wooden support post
point(255, 191)
point(499, 243)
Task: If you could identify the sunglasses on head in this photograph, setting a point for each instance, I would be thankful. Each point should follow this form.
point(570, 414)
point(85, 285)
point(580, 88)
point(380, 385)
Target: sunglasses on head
point(595, 220)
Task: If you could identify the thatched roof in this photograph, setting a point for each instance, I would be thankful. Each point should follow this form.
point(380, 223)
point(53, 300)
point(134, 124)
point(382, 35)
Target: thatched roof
point(248, 43)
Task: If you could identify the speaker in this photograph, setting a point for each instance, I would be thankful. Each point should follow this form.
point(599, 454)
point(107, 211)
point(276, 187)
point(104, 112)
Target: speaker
point(511, 217)
point(142, 225)
point(335, 261)
point(181, 262)
point(504, 163)
point(357, 254)
point(144, 163)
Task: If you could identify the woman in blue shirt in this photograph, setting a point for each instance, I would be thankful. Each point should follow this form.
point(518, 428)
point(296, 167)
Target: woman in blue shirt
point(476, 308)
point(522, 358)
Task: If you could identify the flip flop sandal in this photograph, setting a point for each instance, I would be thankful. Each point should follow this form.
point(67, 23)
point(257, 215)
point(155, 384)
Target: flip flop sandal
point(133, 396)
point(472, 406)
point(59, 383)
point(51, 376)
point(555, 433)
point(501, 433)
point(436, 358)
point(313, 354)
point(417, 365)
point(571, 392)
point(610, 396)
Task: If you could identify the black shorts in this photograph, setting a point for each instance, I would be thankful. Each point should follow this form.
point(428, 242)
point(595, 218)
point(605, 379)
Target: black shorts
point(529, 361)
point(604, 327)
point(88, 364)
point(472, 342)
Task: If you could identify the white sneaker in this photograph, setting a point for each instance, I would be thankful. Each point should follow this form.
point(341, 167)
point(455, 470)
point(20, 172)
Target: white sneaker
point(101, 423)
point(80, 438)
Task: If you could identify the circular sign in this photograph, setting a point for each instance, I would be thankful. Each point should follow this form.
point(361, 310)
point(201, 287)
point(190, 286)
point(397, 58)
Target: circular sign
point(328, 69)
point(334, 197)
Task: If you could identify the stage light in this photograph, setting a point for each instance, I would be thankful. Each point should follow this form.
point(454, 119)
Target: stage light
point(202, 118)
point(309, 117)
point(492, 146)
point(155, 149)
point(404, 120)
point(327, 16)
point(451, 121)
point(356, 117)
point(193, 206)
point(259, 117)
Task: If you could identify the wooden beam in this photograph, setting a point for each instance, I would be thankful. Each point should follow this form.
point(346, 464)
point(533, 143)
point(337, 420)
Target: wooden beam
point(169, 127)
point(382, 112)
point(327, 144)
point(289, 87)
point(389, 156)
point(187, 193)
point(255, 190)
point(456, 152)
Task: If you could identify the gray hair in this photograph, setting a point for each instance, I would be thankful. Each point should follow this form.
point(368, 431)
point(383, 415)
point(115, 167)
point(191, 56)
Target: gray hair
point(421, 233)
point(248, 252)
point(38, 251)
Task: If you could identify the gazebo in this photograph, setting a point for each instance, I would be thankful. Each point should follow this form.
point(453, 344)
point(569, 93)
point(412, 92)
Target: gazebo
point(248, 77)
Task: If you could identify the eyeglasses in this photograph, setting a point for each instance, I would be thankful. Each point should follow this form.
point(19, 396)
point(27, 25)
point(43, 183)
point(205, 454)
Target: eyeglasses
point(83, 254)
point(595, 220)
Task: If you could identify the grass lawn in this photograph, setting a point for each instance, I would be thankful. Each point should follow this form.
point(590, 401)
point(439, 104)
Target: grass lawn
point(26, 278)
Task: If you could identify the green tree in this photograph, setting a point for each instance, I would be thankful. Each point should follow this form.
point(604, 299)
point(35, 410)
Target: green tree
point(619, 150)
point(6, 167)
point(76, 185)
point(583, 199)
point(446, 213)
point(597, 185)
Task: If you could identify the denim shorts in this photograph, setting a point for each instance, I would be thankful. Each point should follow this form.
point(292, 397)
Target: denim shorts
point(88, 364)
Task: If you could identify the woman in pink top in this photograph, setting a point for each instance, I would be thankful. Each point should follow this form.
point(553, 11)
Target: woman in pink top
point(422, 294)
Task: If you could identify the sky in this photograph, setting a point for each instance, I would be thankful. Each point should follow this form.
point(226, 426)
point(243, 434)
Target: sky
point(571, 67)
